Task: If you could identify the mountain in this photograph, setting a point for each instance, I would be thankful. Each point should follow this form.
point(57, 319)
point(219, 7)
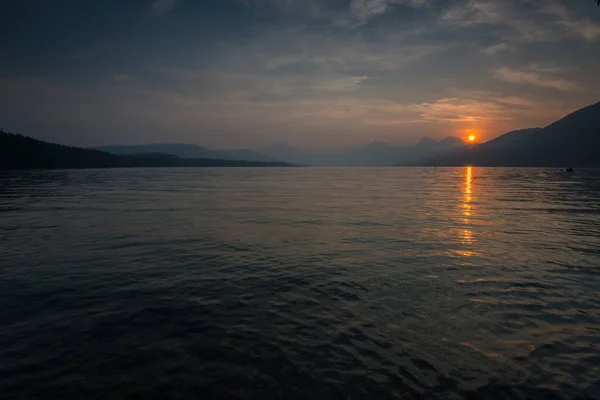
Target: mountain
point(383, 154)
point(425, 144)
point(428, 148)
point(572, 140)
point(518, 138)
point(243, 154)
point(176, 149)
point(429, 145)
point(578, 132)
point(186, 151)
point(283, 152)
point(450, 142)
point(375, 153)
point(17, 152)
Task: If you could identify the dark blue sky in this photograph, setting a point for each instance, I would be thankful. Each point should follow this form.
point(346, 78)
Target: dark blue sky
point(311, 73)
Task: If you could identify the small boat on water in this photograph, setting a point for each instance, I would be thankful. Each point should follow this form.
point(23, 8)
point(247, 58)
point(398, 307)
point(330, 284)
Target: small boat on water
point(569, 169)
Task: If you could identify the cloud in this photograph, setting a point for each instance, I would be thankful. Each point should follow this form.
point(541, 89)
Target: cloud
point(582, 27)
point(514, 21)
point(533, 31)
point(341, 83)
point(159, 7)
point(475, 12)
point(305, 51)
point(485, 109)
point(122, 78)
point(458, 110)
point(516, 101)
point(366, 9)
point(545, 77)
point(393, 122)
point(347, 12)
point(296, 8)
point(497, 48)
point(228, 87)
point(522, 20)
point(482, 108)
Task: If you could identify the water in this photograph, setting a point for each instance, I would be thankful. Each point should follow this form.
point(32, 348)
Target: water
point(300, 283)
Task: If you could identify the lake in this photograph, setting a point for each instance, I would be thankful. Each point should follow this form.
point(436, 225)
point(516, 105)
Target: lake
point(300, 283)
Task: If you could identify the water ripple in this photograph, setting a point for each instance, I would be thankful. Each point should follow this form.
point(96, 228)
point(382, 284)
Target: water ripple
point(300, 283)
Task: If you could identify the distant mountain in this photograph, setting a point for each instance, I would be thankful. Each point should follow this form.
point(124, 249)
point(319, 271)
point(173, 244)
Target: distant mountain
point(450, 142)
point(243, 154)
point(375, 153)
point(186, 151)
point(17, 151)
point(428, 148)
point(177, 149)
point(426, 144)
point(572, 140)
point(283, 152)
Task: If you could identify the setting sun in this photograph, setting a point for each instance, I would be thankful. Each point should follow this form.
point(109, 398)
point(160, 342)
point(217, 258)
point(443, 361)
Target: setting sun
point(472, 138)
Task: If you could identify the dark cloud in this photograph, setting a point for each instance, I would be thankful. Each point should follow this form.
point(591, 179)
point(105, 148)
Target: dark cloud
point(159, 7)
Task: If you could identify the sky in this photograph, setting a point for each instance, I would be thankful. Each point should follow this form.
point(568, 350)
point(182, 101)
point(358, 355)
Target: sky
point(314, 74)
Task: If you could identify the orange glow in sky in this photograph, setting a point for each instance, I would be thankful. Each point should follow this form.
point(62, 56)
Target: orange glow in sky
point(472, 138)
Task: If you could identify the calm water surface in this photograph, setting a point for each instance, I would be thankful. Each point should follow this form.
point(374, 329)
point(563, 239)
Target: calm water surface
point(300, 283)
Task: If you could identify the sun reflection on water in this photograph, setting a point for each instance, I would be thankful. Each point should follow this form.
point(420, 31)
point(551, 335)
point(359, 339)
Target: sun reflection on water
point(467, 234)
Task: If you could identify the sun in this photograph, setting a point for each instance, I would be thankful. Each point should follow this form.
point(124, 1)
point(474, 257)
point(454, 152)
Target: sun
point(472, 138)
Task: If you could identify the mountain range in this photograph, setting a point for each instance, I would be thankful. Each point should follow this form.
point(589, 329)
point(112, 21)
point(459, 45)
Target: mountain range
point(19, 152)
point(374, 154)
point(572, 140)
point(186, 151)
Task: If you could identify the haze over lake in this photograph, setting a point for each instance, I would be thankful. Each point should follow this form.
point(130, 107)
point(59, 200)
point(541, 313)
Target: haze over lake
point(300, 283)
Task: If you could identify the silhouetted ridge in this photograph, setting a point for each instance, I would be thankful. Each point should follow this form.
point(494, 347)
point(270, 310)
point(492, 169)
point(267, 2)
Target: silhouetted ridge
point(426, 143)
point(18, 151)
point(578, 129)
point(519, 138)
point(451, 141)
point(177, 149)
point(183, 150)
